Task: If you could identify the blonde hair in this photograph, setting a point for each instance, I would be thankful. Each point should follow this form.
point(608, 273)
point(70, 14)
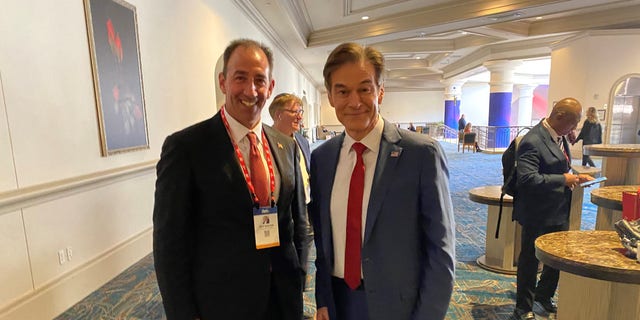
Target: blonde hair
point(592, 115)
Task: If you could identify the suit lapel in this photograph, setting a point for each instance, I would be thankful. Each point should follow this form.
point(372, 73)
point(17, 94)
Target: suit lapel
point(279, 154)
point(388, 157)
point(328, 164)
point(552, 145)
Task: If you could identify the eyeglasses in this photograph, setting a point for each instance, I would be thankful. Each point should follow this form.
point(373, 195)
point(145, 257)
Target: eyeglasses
point(296, 112)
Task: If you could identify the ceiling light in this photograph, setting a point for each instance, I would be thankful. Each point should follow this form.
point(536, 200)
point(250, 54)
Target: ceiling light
point(538, 18)
point(365, 18)
point(463, 32)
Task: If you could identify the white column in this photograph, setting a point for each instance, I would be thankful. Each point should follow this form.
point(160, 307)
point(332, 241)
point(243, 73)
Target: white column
point(525, 104)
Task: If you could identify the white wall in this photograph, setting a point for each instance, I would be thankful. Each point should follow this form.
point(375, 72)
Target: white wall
point(48, 129)
point(588, 66)
point(413, 106)
point(474, 103)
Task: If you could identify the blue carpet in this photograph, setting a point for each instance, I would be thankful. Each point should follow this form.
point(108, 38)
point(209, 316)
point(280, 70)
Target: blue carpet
point(478, 294)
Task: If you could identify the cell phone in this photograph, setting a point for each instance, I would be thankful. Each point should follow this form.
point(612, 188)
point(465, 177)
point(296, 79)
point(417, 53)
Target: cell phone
point(592, 182)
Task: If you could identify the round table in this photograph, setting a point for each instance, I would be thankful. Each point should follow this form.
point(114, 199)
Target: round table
point(501, 254)
point(620, 162)
point(597, 281)
point(609, 202)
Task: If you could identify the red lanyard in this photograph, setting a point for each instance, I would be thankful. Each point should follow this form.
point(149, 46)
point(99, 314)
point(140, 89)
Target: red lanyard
point(245, 171)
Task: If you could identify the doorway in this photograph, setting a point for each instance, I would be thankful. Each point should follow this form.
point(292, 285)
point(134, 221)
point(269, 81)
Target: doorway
point(624, 124)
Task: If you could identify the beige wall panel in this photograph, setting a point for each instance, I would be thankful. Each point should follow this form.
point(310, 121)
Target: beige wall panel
point(15, 275)
point(425, 106)
point(90, 222)
point(7, 171)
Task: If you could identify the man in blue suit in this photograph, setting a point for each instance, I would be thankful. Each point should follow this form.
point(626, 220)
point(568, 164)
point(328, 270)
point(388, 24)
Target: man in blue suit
point(543, 201)
point(380, 207)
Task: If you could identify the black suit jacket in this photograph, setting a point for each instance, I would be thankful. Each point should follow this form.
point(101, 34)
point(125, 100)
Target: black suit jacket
point(206, 259)
point(542, 199)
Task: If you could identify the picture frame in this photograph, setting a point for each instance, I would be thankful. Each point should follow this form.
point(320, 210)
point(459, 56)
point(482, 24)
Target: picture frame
point(601, 114)
point(112, 30)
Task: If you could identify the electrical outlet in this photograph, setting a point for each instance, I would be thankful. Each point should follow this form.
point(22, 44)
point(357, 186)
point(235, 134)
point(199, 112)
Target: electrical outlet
point(69, 253)
point(62, 258)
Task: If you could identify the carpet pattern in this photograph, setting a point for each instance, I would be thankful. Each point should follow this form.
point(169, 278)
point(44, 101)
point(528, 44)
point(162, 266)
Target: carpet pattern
point(478, 294)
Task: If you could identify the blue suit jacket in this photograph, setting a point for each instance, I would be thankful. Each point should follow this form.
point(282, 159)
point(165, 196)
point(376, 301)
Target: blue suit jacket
point(542, 199)
point(408, 251)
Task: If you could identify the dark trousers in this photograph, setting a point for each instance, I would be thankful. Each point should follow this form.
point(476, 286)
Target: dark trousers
point(527, 290)
point(587, 160)
point(281, 306)
point(350, 304)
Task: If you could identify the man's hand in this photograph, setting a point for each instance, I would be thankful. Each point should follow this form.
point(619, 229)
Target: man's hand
point(323, 314)
point(584, 178)
point(571, 180)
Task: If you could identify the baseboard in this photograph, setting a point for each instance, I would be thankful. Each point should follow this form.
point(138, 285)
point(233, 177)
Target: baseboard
point(57, 296)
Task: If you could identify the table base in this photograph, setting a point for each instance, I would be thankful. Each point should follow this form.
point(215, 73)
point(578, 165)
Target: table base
point(582, 298)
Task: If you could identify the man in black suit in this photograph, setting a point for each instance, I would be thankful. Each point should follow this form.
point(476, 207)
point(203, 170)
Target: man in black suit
point(229, 226)
point(286, 111)
point(543, 201)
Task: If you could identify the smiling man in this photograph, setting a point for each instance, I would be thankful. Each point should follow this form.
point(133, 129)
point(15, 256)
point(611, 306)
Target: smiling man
point(230, 230)
point(380, 208)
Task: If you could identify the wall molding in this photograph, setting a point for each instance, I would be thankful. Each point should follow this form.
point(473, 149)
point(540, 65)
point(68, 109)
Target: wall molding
point(26, 197)
point(58, 295)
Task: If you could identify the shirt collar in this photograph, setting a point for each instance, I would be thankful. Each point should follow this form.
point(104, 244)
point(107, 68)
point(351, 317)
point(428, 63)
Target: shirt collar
point(554, 134)
point(239, 131)
point(371, 140)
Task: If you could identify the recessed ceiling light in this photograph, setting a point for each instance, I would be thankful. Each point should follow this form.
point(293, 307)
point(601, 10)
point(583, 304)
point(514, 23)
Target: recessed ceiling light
point(538, 18)
point(463, 32)
point(365, 18)
point(418, 58)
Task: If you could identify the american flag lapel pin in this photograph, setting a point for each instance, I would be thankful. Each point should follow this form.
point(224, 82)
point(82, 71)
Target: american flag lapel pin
point(395, 154)
point(280, 146)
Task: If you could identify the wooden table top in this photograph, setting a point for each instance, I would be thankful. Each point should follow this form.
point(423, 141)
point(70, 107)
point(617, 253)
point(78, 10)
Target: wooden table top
point(490, 195)
point(594, 254)
point(610, 197)
point(612, 150)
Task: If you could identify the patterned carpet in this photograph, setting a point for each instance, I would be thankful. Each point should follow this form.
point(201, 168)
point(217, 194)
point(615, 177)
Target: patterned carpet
point(478, 294)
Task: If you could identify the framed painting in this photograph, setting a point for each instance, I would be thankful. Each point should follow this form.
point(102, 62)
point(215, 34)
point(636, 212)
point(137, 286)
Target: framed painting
point(601, 114)
point(117, 75)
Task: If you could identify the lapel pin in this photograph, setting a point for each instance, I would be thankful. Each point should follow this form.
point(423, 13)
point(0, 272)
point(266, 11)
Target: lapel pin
point(280, 146)
point(395, 154)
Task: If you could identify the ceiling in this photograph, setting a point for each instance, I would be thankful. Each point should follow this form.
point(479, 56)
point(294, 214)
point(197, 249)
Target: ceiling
point(427, 43)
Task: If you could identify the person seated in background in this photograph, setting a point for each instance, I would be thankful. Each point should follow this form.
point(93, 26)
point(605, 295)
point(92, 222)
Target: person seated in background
point(462, 122)
point(411, 127)
point(467, 129)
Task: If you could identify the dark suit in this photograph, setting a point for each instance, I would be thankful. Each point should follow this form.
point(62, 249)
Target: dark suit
point(205, 253)
point(541, 206)
point(408, 248)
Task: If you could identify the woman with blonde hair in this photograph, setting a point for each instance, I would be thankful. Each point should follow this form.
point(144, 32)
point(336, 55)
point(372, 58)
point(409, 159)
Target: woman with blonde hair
point(591, 133)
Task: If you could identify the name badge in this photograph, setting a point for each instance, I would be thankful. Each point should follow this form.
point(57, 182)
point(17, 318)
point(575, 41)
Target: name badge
point(265, 224)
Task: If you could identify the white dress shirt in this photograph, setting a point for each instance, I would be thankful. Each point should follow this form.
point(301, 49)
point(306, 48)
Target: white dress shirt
point(239, 135)
point(340, 192)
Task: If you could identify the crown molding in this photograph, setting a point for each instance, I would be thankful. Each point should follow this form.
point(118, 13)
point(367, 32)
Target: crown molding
point(254, 15)
point(525, 49)
point(443, 14)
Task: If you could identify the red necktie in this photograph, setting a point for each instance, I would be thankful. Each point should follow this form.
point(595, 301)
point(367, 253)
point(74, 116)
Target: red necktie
point(354, 221)
point(258, 174)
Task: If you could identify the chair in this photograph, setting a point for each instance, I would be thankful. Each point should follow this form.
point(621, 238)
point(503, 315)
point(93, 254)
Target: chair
point(460, 139)
point(469, 140)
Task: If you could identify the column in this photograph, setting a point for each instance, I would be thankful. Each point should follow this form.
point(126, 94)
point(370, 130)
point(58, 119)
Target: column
point(525, 104)
point(452, 94)
point(501, 91)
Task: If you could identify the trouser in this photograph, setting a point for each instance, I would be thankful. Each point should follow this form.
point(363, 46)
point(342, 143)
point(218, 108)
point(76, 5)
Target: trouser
point(587, 160)
point(350, 304)
point(527, 290)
